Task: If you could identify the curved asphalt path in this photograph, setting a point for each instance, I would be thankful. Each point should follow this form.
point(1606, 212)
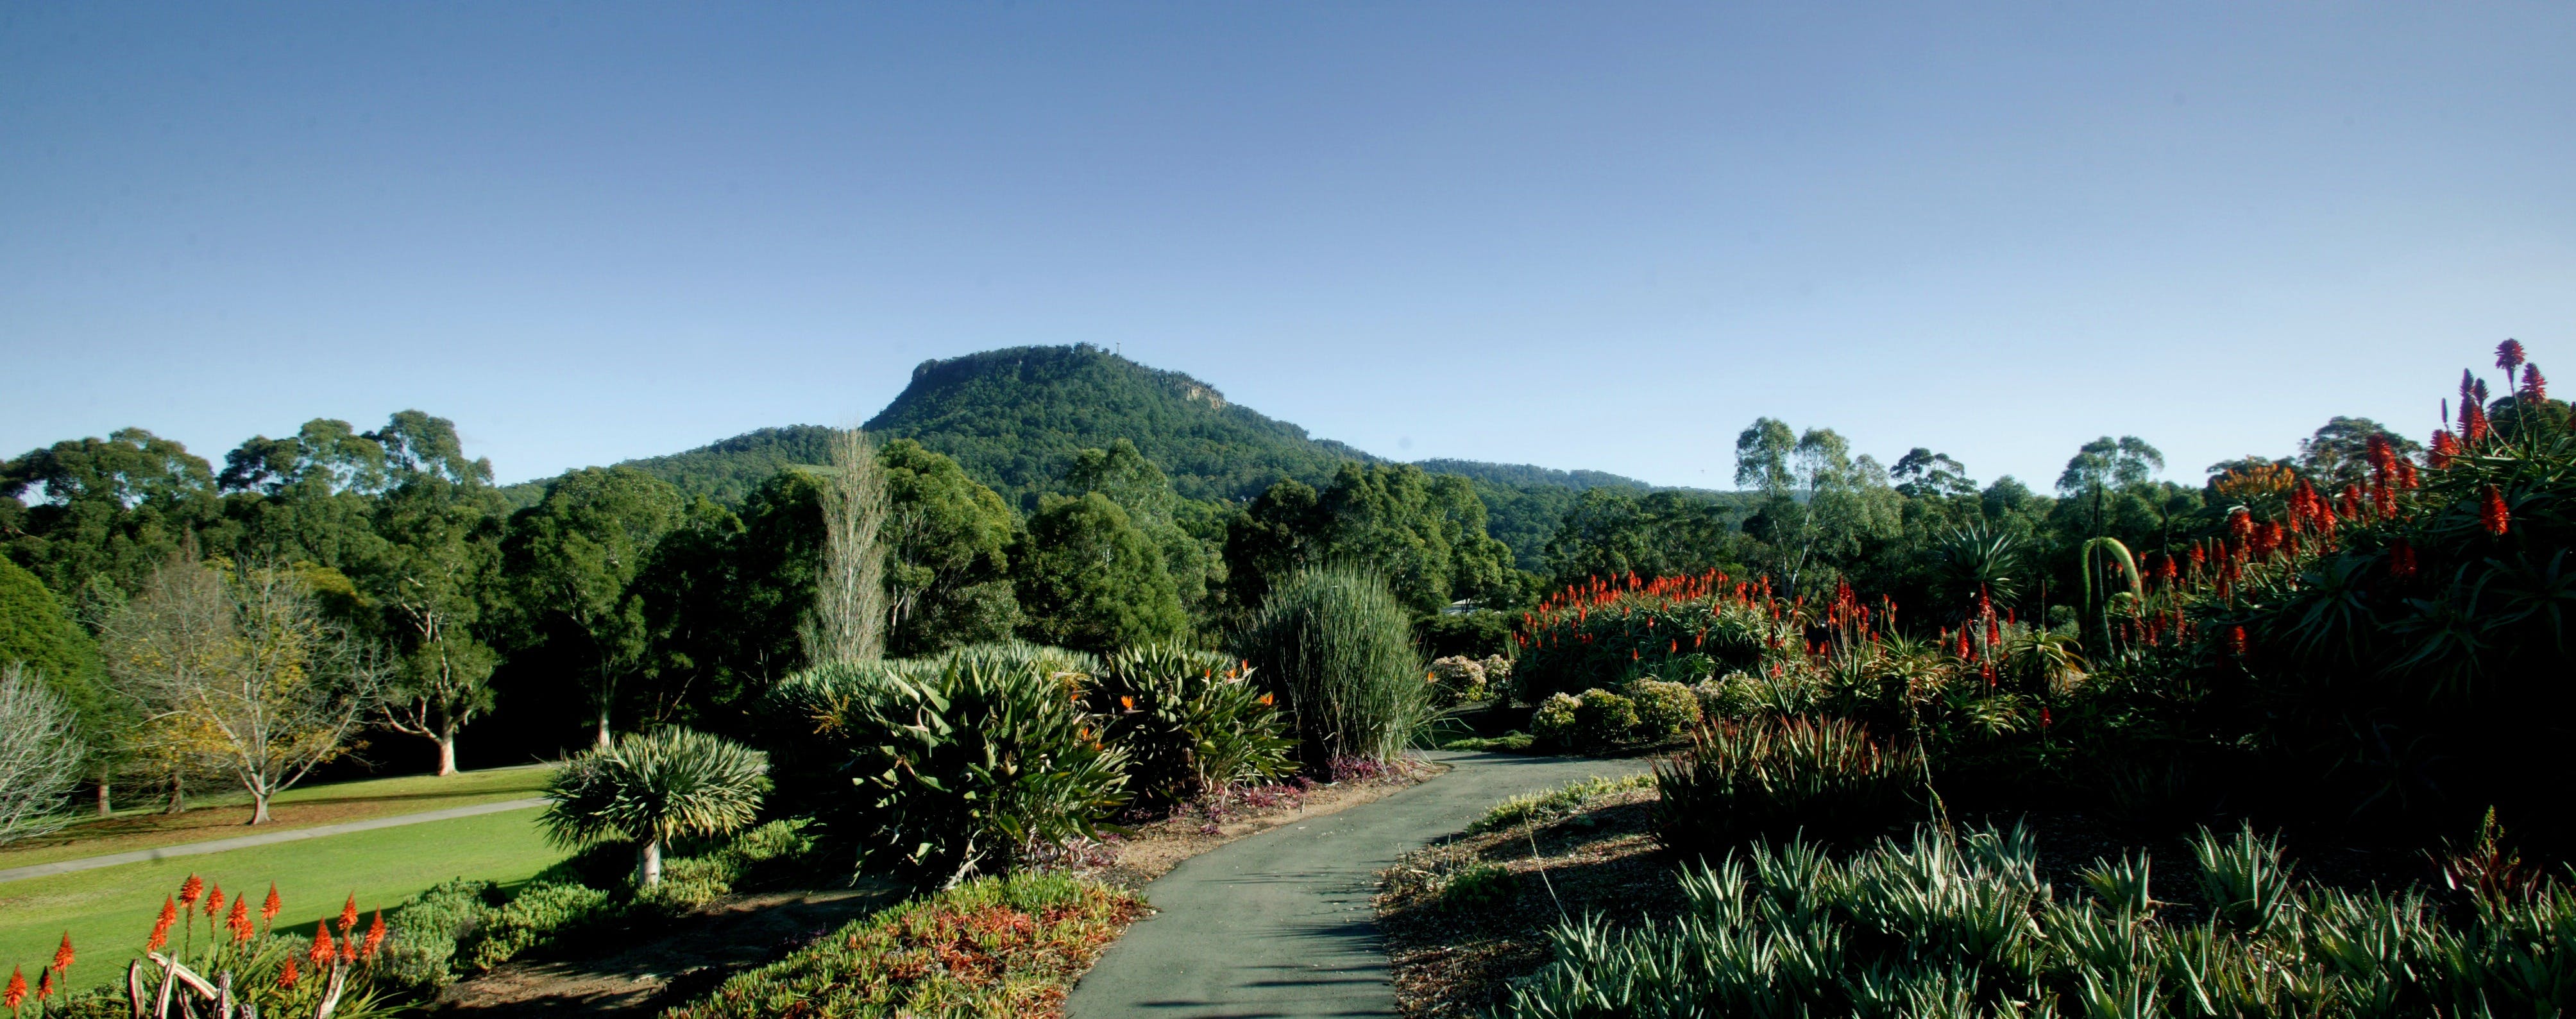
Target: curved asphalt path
point(1279, 924)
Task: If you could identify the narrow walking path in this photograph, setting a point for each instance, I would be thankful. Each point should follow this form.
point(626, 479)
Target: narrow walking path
point(262, 839)
point(1280, 924)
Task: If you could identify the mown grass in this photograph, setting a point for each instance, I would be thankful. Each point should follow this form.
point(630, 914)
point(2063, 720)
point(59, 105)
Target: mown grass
point(110, 910)
point(992, 947)
point(143, 826)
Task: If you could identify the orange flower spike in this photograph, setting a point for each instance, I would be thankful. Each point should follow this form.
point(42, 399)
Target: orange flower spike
point(286, 975)
point(2497, 518)
point(375, 936)
point(240, 920)
point(161, 927)
point(214, 901)
point(349, 914)
point(322, 949)
point(268, 907)
point(17, 989)
point(190, 890)
point(63, 955)
point(44, 984)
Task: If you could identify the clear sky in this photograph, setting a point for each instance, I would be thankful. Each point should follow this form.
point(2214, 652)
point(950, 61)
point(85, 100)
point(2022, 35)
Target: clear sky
point(1581, 235)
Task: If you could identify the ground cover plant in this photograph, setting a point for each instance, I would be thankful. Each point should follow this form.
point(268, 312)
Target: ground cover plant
point(995, 946)
point(1965, 925)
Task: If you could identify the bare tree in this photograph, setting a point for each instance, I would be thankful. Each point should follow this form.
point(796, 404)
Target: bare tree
point(40, 755)
point(849, 621)
point(240, 667)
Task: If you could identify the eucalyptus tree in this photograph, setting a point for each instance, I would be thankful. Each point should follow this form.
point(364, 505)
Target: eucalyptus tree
point(439, 579)
point(1127, 478)
point(1819, 503)
point(2105, 466)
point(572, 560)
point(102, 514)
point(1089, 580)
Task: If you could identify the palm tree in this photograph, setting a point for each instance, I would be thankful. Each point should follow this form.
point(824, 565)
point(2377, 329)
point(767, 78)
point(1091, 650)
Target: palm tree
point(650, 787)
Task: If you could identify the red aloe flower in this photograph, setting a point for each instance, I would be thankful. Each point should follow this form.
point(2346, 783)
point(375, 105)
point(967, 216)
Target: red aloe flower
point(2534, 386)
point(375, 936)
point(17, 989)
point(239, 921)
point(2444, 448)
point(2496, 517)
point(44, 984)
point(349, 914)
point(268, 907)
point(286, 975)
point(214, 901)
point(161, 927)
point(2509, 355)
point(322, 949)
point(2236, 643)
point(190, 890)
point(63, 955)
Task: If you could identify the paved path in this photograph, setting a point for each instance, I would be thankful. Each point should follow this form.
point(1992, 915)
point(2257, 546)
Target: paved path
point(263, 839)
point(1279, 924)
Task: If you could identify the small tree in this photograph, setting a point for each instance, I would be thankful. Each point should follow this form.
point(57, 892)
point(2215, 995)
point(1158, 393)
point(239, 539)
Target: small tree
point(649, 788)
point(239, 666)
point(849, 622)
point(40, 755)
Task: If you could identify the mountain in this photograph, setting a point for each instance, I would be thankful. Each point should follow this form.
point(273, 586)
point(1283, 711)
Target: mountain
point(1014, 417)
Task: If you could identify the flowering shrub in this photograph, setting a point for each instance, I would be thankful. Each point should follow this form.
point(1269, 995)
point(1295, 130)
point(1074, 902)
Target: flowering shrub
point(994, 946)
point(1458, 679)
point(1664, 710)
point(1554, 721)
point(241, 967)
point(1189, 721)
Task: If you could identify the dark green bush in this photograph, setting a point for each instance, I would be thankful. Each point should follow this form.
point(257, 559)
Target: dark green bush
point(944, 770)
point(1338, 646)
point(1189, 721)
point(421, 934)
point(1775, 778)
point(534, 916)
point(1604, 719)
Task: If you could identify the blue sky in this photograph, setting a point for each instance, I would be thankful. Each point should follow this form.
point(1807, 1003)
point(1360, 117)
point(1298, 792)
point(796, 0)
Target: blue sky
point(1584, 235)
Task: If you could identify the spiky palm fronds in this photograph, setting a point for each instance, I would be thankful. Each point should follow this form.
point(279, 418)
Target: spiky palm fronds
point(652, 787)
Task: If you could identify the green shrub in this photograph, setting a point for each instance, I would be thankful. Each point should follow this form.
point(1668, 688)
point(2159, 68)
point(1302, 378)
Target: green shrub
point(1189, 721)
point(1339, 646)
point(1476, 887)
point(649, 788)
point(1775, 778)
point(534, 916)
point(1554, 722)
point(1965, 926)
point(948, 770)
point(989, 947)
point(1603, 719)
point(1664, 710)
point(422, 932)
point(1728, 696)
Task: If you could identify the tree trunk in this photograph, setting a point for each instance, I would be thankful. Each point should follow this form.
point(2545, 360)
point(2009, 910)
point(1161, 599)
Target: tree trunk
point(447, 752)
point(103, 808)
point(603, 728)
point(178, 794)
point(648, 863)
point(258, 807)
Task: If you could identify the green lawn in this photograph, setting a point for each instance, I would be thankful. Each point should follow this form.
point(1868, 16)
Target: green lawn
point(109, 911)
point(144, 826)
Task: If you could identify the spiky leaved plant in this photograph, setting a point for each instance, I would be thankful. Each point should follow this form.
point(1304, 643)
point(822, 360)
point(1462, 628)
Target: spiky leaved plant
point(651, 787)
point(1336, 642)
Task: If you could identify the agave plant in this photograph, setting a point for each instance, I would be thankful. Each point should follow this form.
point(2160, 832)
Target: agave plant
point(649, 788)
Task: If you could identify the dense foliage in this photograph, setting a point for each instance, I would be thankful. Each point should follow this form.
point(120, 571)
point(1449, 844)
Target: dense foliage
point(1335, 643)
point(1190, 722)
point(1966, 926)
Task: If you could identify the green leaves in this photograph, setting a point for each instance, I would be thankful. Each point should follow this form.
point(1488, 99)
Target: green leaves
point(653, 786)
